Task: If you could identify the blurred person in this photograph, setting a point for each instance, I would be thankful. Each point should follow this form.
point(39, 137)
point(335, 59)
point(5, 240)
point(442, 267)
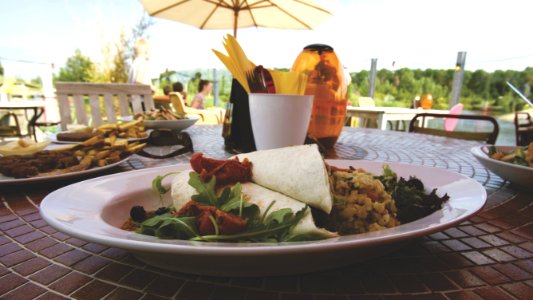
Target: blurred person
point(416, 102)
point(178, 88)
point(204, 88)
point(139, 73)
point(166, 90)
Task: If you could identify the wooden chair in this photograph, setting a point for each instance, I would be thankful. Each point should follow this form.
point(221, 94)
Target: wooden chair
point(366, 102)
point(206, 116)
point(132, 99)
point(371, 122)
point(487, 137)
point(523, 128)
point(365, 122)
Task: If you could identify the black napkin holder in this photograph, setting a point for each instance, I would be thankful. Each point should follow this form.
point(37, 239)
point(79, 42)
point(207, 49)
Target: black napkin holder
point(241, 137)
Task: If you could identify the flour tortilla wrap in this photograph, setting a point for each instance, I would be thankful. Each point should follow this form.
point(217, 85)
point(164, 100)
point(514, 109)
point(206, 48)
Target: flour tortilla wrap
point(298, 172)
point(262, 197)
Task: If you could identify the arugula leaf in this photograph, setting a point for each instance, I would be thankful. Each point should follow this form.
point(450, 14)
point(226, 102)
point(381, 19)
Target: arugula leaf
point(263, 232)
point(521, 161)
point(206, 191)
point(157, 185)
point(215, 224)
point(167, 226)
point(492, 150)
point(224, 196)
point(278, 216)
point(267, 210)
point(233, 199)
point(250, 212)
point(155, 220)
point(177, 228)
point(236, 204)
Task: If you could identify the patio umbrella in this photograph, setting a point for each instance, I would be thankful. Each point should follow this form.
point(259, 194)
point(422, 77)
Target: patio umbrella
point(227, 14)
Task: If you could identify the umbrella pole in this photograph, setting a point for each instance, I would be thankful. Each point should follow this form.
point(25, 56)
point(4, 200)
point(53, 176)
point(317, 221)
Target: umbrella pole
point(235, 22)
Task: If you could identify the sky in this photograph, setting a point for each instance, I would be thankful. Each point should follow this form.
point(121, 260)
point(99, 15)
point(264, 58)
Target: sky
point(411, 33)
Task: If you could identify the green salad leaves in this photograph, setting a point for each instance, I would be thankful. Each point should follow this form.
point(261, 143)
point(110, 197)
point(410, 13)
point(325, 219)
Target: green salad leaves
point(517, 156)
point(275, 226)
point(167, 226)
point(412, 201)
point(157, 185)
point(230, 200)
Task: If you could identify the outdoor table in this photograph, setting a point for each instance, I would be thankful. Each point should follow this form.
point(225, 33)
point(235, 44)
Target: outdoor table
point(488, 256)
point(385, 114)
point(37, 108)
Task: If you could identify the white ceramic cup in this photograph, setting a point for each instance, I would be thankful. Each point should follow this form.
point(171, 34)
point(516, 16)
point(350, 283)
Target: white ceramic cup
point(279, 120)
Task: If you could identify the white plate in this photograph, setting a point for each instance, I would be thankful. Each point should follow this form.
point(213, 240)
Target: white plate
point(519, 175)
point(172, 124)
point(53, 138)
point(92, 210)
point(5, 180)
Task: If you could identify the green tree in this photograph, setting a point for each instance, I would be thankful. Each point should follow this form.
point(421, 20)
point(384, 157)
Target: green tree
point(121, 68)
point(78, 68)
point(1, 70)
point(140, 30)
point(192, 85)
point(165, 78)
point(37, 81)
point(118, 55)
point(407, 80)
point(481, 90)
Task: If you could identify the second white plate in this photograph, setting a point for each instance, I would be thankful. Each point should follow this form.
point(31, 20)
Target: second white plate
point(517, 174)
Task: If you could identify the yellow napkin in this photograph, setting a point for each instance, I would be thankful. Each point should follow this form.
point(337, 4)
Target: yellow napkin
point(236, 61)
point(289, 83)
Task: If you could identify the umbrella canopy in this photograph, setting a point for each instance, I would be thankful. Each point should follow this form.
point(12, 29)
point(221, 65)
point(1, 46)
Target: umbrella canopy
point(227, 14)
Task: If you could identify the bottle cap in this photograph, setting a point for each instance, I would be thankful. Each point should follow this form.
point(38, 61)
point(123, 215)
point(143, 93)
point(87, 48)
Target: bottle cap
point(319, 47)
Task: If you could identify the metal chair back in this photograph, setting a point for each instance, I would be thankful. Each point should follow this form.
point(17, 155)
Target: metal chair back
point(523, 125)
point(418, 125)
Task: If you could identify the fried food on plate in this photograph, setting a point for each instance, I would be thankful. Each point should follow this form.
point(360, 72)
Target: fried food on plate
point(128, 130)
point(94, 152)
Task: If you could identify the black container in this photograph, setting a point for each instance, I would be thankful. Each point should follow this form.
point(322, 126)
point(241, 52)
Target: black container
point(237, 132)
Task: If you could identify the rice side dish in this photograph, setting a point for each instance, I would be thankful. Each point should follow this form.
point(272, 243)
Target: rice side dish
point(361, 203)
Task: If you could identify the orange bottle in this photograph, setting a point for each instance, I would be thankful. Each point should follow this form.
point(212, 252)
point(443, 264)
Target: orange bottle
point(327, 83)
point(427, 101)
